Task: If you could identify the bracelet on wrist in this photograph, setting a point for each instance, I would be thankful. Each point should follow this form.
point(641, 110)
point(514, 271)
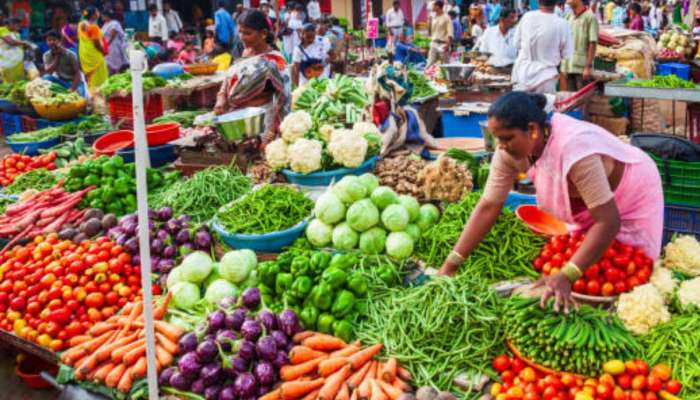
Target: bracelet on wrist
point(455, 258)
point(571, 271)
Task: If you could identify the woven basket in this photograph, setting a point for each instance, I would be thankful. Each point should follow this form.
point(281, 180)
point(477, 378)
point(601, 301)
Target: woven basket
point(201, 69)
point(59, 112)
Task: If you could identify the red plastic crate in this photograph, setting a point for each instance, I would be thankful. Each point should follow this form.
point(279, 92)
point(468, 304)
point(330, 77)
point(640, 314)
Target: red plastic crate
point(121, 110)
point(29, 124)
point(693, 116)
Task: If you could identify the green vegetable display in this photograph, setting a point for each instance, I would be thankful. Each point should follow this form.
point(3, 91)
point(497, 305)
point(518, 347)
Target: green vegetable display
point(577, 342)
point(663, 82)
point(184, 118)
point(203, 193)
point(17, 94)
point(269, 209)
point(338, 99)
point(421, 41)
point(39, 179)
point(122, 83)
point(69, 151)
point(87, 126)
point(421, 86)
point(506, 252)
point(59, 98)
point(40, 135)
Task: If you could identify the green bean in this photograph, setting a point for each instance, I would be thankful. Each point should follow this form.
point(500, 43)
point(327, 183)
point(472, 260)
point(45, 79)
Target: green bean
point(38, 179)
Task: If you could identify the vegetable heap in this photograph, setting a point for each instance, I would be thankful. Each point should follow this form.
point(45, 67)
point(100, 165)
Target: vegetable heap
point(237, 354)
point(14, 165)
point(271, 208)
point(120, 84)
point(69, 151)
point(621, 268)
point(399, 171)
point(422, 89)
point(445, 180)
point(92, 124)
point(663, 82)
point(203, 193)
point(576, 342)
point(92, 223)
point(338, 99)
point(682, 254)
point(37, 179)
point(642, 309)
point(359, 213)
point(184, 118)
point(320, 287)
point(57, 99)
point(40, 135)
point(43, 89)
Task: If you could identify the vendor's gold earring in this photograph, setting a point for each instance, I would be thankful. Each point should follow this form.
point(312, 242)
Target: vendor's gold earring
point(533, 136)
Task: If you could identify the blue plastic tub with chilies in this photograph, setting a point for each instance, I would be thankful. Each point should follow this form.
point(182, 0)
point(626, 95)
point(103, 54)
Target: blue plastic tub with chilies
point(159, 155)
point(272, 242)
point(32, 148)
point(324, 178)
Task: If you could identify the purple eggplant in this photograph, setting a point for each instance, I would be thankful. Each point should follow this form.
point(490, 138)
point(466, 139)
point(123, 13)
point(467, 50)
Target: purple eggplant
point(132, 245)
point(207, 351)
point(267, 319)
point(235, 320)
point(162, 235)
point(225, 339)
point(121, 239)
point(251, 330)
point(227, 393)
point(172, 226)
point(164, 378)
point(265, 373)
point(266, 348)
point(164, 213)
point(188, 343)
point(212, 392)
point(251, 298)
point(246, 350)
point(239, 364)
point(230, 373)
point(211, 373)
point(184, 219)
point(288, 322)
point(281, 359)
point(189, 365)
point(263, 390)
point(169, 251)
point(198, 386)
point(226, 303)
point(165, 265)
point(216, 321)
point(246, 385)
point(136, 259)
point(280, 339)
point(185, 249)
point(211, 337)
point(202, 239)
point(183, 236)
point(179, 381)
point(157, 246)
point(130, 228)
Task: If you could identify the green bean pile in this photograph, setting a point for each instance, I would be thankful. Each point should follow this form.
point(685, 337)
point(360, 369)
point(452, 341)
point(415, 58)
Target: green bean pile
point(39, 179)
point(271, 208)
point(676, 343)
point(437, 330)
point(204, 193)
point(507, 250)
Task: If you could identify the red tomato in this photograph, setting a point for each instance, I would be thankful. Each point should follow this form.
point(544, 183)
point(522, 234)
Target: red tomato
point(553, 381)
point(579, 286)
point(568, 380)
point(557, 260)
point(608, 289)
point(632, 282)
point(593, 288)
point(673, 387)
point(642, 367)
point(639, 382)
point(531, 396)
point(607, 379)
point(546, 255)
point(612, 275)
point(654, 384)
point(624, 380)
point(507, 376)
point(661, 371)
point(592, 272)
point(501, 363)
point(549, 393)
point(94, 300)
point(517, 365)
point(620, 287)
point(537, 264)
point(604, 391)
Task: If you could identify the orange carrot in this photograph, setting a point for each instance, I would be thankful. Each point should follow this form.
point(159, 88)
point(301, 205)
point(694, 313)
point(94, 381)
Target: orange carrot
point(80, 339)
point(401, 385)
point(388, 372)
point(134, 354)
point(301, 354)
point(312, 396)
point(364, 390)
point(170, 331)
point(273, 395)
point(333, 383)
point(159, 312)
point(138, 371)
point(362, 356)
point(351, 349)
point(113, 378)
point(102, 372)
point(299, 337)
point(296, 389)
point(391, 392)
point(330, 365)
point(118, 354)
point(104, 352)
point(125, 382)
point(79, 375)
point(99, 329)
point(358, 376)
point(377, 392)
point(163, 356)
point(88, 364)
point(403, 373)
point(354, 395)
point(73, 355)
point(293, 372)
point(323, 342)
point(344, 393)
point(167, 344)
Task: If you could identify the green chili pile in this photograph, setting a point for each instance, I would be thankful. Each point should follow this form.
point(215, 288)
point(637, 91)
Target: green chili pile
point(4, 202)
point(39, 179)
point(507, 250)
point(438, 330)
point(204, 193)
point(269, 209)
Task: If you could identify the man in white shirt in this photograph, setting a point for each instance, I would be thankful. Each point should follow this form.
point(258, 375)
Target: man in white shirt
point(394, 21)
point(313, 9)
point(172, 18)
point(157, 26)
point(441, 35)
point(542, 40)
point(499, 40)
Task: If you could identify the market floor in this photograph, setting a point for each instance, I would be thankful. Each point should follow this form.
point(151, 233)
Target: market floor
point(12, 387)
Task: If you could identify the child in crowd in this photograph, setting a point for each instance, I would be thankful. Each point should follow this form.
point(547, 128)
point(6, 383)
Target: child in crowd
point(176, 42)
point(189, 54)
point(208, 46)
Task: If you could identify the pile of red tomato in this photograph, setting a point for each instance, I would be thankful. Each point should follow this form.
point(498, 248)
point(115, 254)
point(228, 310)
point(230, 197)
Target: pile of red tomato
point(14, 165)
point(621, 268)
point(631, 381)
point(52, 289)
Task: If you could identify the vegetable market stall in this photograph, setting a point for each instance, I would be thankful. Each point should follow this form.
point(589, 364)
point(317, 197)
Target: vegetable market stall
point(197, 92)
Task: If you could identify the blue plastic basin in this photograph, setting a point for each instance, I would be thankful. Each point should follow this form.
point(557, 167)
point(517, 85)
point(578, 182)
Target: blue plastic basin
point(159, 155)
point(324, 178)
point(32, 148)
point(272, 242)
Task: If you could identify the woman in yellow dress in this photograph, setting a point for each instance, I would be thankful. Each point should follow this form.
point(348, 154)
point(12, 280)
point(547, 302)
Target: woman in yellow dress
point(91, 49)
point(11, 48)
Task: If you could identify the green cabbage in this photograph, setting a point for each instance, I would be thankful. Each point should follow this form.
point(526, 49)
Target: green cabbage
point(175, 276)
point(213, 275)
point(185, 295)
point(395, 217)
point(219, 289)
point(196, 267)
point(319, 233)
point(349, 189)
point(373, 240)
point(329, 209)
point(427, 216)
point(383, 196)
point(235, 266)
point(344, 238)
point(413, 231)
point(362, 215)
point(399, 245)
point(370, 181)
point(411, 205)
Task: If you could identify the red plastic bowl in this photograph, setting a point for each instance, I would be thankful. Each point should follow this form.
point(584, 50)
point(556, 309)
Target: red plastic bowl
point(158, 134)
point(540, 221)
point(30, 367)
point(111, 142)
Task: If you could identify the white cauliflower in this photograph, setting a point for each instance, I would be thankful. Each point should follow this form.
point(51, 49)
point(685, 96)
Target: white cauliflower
point(683, 255)
point(662, 279)
point(347, 149)
point(689, 293)
point(305, 155)
point(38, 88)
point(295, 125)
point(297, 93)
point(362, 128)
point(326, 131)
point(642, 309)
point(276, 154)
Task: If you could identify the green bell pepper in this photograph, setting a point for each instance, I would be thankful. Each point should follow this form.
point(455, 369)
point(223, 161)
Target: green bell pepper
point(265, 289)
point(343, 261)
point(334, 277)
point(97, 203)
point(107, 194)
point(115, 208)
point(267, 272)
point(308, 317)
point(343, 303)
point(300, 265)
point(109, 169)
point(78, 171)
point(319, 262)
point(130, 201)
point(284, 261)
point(357, 284)
point(325, 323)
point(117, 161)
point(290, 301)
point(91, 180)
point(342, 329)
point(283, 281)
point(387, 273)
point(301, 287)
point(122, 186)
point(324, 296)
point(94, 194)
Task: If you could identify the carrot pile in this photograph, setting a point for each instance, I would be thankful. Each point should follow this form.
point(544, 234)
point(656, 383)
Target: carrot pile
point(324, 367)
point(41, 213)
point(113, 352)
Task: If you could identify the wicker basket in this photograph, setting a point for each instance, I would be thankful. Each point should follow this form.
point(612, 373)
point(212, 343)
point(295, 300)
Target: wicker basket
point(201, 69)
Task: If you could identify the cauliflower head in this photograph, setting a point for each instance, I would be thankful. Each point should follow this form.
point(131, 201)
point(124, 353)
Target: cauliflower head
point(38, 88)
point(295, 125)
point(276, 154)
point(362, 128)
point(642, 309)
point(305, 155)
point(347, 148)
point(683, 255)
point(689, 293)
point(296, 93)
point(326, 131)
point(662, 278)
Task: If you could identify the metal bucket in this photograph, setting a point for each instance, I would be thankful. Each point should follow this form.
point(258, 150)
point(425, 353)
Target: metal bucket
point(241, 124)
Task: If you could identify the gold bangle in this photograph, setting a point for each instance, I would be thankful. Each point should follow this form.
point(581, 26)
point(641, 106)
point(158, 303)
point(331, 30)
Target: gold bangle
point(455, 257)
point(571, 271)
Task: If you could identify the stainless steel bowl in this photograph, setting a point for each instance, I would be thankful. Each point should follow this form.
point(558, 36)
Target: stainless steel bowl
point(457, 72)
point(241, 124)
